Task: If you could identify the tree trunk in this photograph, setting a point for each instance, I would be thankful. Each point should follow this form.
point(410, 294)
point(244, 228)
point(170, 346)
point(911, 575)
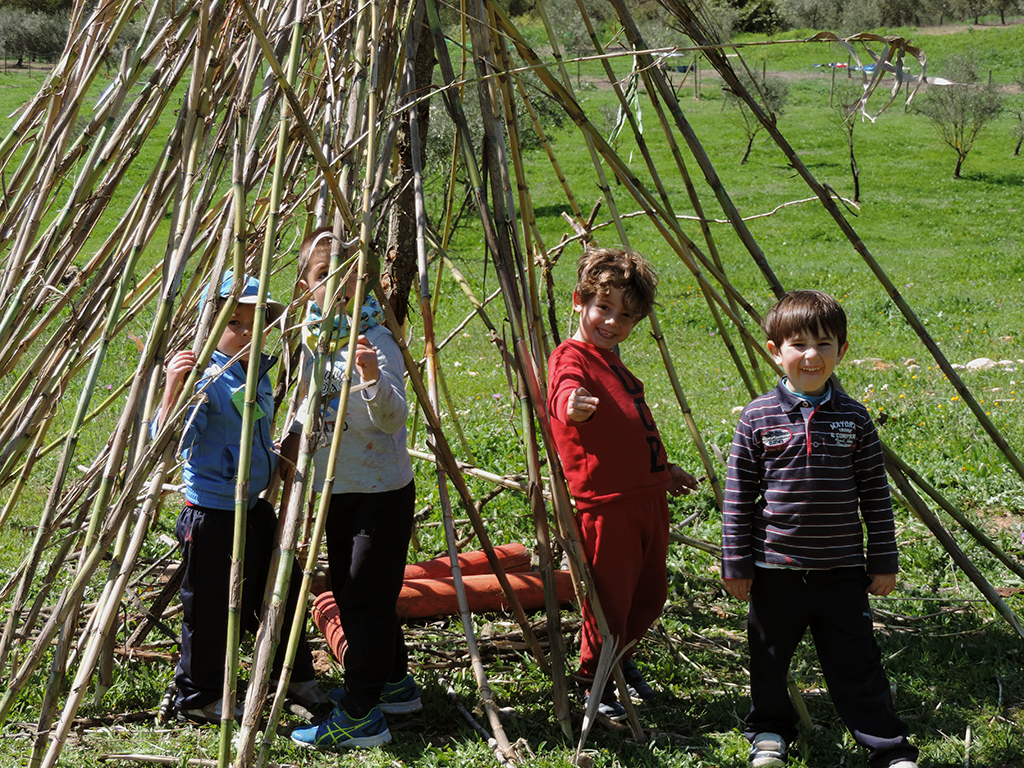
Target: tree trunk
point(399, 269)
point(959, 164)
point(1016, 150)
point(746, 154)
point(854, 170)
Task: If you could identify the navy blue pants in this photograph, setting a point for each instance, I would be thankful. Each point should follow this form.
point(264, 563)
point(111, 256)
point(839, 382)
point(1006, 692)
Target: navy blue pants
point(367, 546)
point(205, 536)
point(833, 604)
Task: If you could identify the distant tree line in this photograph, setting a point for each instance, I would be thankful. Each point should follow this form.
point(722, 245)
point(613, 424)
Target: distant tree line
point(762, 16)
point(38, 28)
point(32, 35)
point(849, 16)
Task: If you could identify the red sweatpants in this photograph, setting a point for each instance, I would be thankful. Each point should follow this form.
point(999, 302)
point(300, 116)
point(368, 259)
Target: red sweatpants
point(626, 544)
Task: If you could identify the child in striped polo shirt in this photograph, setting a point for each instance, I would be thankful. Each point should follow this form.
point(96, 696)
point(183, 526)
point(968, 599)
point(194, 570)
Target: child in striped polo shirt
point(806, 478)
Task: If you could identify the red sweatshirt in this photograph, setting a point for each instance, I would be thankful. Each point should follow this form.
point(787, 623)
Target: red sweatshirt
point(617, 452)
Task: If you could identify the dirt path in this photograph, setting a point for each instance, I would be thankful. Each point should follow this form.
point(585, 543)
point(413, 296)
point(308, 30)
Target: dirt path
point(709, 73)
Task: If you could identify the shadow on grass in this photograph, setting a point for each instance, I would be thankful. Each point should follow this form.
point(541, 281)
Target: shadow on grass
point(1001, 180)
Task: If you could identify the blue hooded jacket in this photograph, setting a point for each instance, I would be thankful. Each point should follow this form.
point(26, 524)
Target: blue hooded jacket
point(210, 442)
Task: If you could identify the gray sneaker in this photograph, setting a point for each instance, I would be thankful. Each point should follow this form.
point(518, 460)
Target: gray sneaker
point(609, 706)
point(768, 750)
point(210, 714)
point(307, 694)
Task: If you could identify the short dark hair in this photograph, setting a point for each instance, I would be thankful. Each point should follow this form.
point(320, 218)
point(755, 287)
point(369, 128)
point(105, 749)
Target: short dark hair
point(600, 269)
point(805, 311)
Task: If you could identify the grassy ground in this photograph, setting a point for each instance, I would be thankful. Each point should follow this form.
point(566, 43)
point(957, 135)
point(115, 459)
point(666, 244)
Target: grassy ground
point(953, 249)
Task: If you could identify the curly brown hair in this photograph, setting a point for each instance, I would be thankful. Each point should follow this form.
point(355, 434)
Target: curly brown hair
point(600, 269)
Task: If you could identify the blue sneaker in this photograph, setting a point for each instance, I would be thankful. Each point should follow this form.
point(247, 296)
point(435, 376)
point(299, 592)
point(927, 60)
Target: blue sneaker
point(342, 730)
point(401, 698)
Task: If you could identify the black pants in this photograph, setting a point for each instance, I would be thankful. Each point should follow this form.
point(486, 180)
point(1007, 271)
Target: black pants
point(833, 603)
point(205, 536)
point(367, 545)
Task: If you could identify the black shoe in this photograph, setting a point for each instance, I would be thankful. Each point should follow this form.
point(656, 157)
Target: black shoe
point(635, 683)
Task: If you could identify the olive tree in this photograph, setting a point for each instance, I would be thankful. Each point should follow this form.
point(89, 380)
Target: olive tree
point(32, 34)
point(844, 116)
point(961, 109)
point(1018, 110)
point(772, 94)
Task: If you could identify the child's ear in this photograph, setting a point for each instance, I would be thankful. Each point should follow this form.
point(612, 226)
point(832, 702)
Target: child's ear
point(303, 284)
point(577, 303)
point(773, 350)
point(842, 351)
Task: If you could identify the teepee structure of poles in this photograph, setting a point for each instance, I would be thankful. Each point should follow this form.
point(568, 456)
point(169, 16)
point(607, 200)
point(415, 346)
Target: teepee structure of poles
point(274, 117)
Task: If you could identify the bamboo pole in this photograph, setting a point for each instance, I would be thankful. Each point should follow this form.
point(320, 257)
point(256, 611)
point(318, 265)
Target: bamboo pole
point(916, 504)
point(445, 458)
point(497, 246)
point(109, 614)
point(961, 519)
point(321, 355)
point(268, 635)
point(626, 109)
point(666, 225)
point(73, 433)
point(249, 409)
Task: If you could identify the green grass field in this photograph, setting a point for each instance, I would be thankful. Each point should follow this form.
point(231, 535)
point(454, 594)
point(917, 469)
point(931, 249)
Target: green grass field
point(954, 250)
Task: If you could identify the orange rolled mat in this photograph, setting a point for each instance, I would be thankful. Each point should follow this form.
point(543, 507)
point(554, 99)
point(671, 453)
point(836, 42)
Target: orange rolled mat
point(513, 558)
point(325, 616)
point(422, 598)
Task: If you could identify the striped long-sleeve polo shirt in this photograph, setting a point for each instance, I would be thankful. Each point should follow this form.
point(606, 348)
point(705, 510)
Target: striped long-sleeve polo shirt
point(797, 475)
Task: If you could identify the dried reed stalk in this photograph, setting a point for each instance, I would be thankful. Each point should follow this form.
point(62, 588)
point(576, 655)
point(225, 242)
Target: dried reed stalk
point(302, 148)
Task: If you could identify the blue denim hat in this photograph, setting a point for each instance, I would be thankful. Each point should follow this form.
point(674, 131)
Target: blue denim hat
point(249, 295)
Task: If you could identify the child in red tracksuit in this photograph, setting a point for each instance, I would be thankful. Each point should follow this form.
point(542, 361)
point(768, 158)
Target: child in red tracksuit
point(614, 461)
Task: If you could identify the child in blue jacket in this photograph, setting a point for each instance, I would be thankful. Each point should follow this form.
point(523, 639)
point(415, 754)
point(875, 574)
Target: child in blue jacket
point(205, 526)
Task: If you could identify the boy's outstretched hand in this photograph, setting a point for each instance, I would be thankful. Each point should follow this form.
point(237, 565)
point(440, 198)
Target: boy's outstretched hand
point(682, 481)
point(581, 405)
point(366, 360)
point(881, 584)
point(738, 588)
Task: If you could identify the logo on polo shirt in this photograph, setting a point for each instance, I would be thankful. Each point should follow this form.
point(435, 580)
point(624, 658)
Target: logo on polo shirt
point(844, 433)
point(776, 438)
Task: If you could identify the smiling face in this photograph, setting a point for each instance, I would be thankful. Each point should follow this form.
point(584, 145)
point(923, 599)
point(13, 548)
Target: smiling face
point(238, 334)
point(808, 360)
point(604, 320)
